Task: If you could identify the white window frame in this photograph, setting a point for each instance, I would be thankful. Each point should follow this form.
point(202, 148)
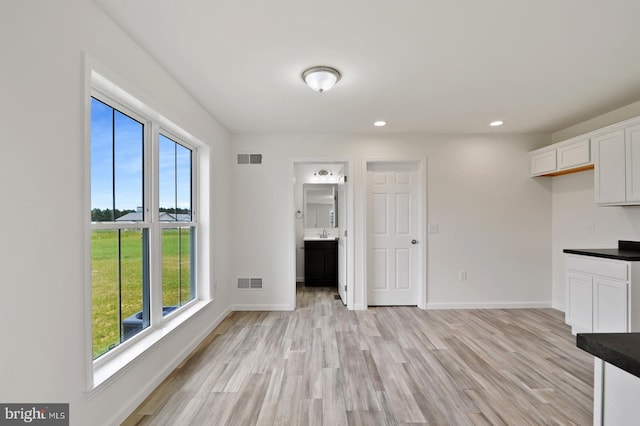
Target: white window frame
point(123, 357)
point(158, 226)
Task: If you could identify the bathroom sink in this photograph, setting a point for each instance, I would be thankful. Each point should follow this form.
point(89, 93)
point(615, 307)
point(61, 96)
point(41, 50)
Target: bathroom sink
point(320, 239)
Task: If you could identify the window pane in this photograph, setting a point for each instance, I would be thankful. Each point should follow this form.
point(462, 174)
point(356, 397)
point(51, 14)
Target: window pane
point(101, 161)
point(116, 165)
point(104, 290)
point(177, 267)
point(167, 178)
point(174, 181)
point(120, 305)
point(128, 136)
point(183, 182)
point(133, 264)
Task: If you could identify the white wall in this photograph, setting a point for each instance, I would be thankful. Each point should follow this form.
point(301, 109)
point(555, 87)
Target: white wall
point(494, 220)
point(41, 169)
point(577, 222)
point(595, 123)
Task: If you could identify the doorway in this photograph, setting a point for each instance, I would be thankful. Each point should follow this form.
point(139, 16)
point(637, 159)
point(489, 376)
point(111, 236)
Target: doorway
point(395, 235)
point(309, 175)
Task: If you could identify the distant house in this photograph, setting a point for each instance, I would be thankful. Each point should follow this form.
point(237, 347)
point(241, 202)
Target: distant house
point(131, 217)
point(164, 217)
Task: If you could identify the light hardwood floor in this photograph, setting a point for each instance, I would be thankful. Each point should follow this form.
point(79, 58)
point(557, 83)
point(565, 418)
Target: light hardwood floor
point(325, 365)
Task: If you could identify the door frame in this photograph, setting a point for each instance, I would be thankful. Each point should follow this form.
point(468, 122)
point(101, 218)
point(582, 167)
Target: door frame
point(349, 195)
point(421, 172)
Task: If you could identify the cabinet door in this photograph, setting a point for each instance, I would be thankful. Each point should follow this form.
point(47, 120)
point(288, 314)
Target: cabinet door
point(544, 162)
point(321, 263)
point(579, 302)
point(574, 155)
point(610, 176)
point(632, 144)
point(314, 265)
point(610, 306)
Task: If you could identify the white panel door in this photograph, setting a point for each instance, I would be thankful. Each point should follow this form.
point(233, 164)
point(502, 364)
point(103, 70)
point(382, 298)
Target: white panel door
point(392, 256)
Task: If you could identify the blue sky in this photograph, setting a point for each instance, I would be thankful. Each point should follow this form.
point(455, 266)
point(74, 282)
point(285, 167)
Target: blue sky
point(127, 154)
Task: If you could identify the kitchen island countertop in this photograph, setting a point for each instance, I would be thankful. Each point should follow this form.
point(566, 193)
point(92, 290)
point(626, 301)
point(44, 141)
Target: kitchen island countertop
point(619, 349)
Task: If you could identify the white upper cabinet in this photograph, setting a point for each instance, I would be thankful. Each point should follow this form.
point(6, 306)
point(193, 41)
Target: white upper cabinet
point(574, 154)
point(632, 140)
point(617, 167)
point(614, 152)
point(610, 170)
point(563, 157)
point(543, 163)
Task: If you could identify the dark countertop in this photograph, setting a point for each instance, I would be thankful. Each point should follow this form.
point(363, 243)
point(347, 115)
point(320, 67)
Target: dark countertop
point(617, 254)
point(619, 349)
point(627, 250)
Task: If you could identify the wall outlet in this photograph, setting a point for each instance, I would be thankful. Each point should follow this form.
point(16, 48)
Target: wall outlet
point(462, 275)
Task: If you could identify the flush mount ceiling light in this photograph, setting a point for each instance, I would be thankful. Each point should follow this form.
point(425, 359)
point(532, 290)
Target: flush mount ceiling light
point(380, 123)
point(496, 123)
point(321, 78)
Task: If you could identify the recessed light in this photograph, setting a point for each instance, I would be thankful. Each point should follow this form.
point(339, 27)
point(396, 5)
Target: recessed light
point(496, 123)
point(380, 123)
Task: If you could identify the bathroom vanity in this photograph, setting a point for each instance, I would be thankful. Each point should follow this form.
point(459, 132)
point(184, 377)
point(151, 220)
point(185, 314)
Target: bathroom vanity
point(321, 262)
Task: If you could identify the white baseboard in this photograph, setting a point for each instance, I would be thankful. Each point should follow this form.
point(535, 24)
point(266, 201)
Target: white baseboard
point(261, 308)
point(495, 305)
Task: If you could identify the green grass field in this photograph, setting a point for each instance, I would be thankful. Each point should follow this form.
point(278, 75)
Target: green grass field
point(107, 294)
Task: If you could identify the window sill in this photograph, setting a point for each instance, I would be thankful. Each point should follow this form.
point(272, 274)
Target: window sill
point(111, 365)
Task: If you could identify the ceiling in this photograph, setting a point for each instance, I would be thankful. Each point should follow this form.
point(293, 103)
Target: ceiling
point(424, 66)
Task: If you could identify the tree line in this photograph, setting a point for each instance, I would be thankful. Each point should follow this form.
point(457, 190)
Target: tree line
point(109, 215)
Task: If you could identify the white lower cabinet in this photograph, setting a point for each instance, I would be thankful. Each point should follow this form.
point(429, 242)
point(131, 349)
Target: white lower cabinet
point(600, 296)
point(579, 312)
point(610, 306)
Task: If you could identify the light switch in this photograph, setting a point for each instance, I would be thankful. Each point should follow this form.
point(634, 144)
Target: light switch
point(433, 228)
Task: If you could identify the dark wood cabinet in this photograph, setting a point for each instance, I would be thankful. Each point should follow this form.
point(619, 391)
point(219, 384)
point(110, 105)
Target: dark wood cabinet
point(321, 263)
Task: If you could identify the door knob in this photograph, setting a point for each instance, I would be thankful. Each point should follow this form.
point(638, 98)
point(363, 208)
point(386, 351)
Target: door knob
point(414, 242)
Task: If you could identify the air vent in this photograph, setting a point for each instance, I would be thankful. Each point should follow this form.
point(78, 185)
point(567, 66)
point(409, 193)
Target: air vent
point(249, 283)
point(249, 158)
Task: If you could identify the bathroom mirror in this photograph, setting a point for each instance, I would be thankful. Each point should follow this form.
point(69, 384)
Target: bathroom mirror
point(320, 205)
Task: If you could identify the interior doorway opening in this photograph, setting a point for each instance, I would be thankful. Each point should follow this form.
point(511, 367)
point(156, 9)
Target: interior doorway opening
point(322, 218)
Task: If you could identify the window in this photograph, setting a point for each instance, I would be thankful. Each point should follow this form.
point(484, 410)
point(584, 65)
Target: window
point(143, 227)
point(175, 183)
